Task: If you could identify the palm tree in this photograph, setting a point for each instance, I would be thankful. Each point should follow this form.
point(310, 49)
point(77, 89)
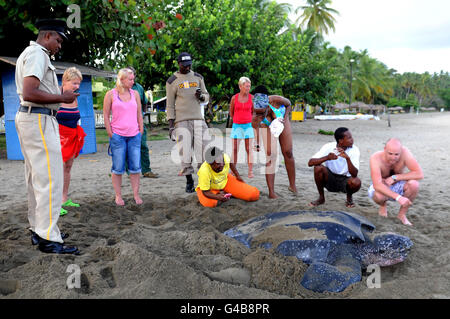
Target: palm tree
point(317, 15)
point(373, 80)
point(279, 10)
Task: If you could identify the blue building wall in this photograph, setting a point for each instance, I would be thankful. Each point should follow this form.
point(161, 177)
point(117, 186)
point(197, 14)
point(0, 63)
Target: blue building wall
point(86, 107)
point(11, 102)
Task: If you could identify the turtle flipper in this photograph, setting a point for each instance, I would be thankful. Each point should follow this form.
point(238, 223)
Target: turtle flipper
point(321, 277)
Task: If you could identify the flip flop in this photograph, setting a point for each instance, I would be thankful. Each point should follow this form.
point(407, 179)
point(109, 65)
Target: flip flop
point(70, 203)
point(63, 212)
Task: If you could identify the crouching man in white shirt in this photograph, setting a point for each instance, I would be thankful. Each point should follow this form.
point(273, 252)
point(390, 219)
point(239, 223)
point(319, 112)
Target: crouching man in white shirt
point(336, 167)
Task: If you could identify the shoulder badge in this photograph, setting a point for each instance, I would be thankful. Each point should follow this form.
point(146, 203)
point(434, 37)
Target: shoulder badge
point(171, 79)
point(199, 75)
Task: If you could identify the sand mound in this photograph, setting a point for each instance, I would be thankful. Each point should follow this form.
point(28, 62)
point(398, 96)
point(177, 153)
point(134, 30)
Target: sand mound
point(171, 247)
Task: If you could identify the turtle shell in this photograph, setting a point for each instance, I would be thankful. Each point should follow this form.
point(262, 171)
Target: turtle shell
point(308, 235)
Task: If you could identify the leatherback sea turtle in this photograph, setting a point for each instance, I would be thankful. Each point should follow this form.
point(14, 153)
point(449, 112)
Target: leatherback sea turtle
point(336, 245)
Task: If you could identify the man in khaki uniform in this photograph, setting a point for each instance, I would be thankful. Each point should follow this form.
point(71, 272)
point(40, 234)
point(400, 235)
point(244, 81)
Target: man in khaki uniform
point(185, 90)
point(38, 131)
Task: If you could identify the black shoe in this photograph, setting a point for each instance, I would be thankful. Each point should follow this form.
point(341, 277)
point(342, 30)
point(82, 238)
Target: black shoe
point(51, 247)
point(35, 239)
point(190, 188)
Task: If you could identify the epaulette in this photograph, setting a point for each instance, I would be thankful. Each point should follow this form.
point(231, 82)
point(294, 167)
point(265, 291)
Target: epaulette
point(199, 75)
point(171, 79)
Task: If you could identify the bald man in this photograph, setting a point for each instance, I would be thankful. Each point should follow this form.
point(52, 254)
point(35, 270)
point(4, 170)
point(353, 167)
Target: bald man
point(391, 182)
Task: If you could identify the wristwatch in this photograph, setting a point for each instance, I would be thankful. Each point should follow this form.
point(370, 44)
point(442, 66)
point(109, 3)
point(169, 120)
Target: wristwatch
point(394, 177)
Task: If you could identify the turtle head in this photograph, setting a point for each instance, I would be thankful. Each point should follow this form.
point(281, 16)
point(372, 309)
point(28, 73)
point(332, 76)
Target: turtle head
point(387, 249)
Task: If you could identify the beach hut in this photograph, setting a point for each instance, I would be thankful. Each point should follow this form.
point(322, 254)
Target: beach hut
point(395, 109)
point(360, 106)
point(428, 109)
point(340, 107)
point(377, 109)
point(374, 109)
point(9, 103)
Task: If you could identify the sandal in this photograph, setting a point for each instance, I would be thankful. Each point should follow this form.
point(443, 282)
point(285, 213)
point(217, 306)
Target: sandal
point(63, 212)
point(69, 203)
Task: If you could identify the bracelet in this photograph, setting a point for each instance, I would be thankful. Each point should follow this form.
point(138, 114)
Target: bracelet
point(397, 198)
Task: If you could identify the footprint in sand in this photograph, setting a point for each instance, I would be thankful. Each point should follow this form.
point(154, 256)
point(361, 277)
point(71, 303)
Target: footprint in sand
point(108, 275)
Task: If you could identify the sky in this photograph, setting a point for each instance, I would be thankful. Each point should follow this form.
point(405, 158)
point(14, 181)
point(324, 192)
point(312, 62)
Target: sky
point(406, 35)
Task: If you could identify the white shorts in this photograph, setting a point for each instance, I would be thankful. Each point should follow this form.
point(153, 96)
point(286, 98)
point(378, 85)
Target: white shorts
point(396, 187)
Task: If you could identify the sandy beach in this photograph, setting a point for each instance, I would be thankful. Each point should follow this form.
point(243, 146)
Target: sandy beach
point(172, 247)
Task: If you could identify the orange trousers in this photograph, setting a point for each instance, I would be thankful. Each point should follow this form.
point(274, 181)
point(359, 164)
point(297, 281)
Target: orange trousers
point(236, 188)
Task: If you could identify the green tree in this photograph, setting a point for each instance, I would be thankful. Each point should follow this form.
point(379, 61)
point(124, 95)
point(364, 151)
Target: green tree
point(371, 80)
point(111, 31)
point(230, 39)
point(317, 15)
point(445, 96)
point(426, 88)
point(314, 76)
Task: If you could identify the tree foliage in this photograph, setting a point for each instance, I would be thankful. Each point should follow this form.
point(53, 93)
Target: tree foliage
point(314, 75)
point(111, 32)
point(317, 15)
point(228, 39)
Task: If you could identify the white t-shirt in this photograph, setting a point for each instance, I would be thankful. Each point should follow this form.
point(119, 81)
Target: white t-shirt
point(339, 166)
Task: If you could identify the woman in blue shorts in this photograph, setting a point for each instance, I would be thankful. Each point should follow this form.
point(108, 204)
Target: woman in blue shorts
point(241, 111)
point(125, 129)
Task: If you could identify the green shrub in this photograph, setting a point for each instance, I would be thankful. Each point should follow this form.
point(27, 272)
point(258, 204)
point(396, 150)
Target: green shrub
point(411, 101)
point(326, 132)
point(161, 118)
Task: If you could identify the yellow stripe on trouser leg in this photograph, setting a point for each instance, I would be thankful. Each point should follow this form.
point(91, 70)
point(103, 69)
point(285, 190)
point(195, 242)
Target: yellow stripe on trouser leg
point(49, 177)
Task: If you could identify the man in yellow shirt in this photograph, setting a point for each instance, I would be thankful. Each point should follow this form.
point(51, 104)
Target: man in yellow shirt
point(215, 183)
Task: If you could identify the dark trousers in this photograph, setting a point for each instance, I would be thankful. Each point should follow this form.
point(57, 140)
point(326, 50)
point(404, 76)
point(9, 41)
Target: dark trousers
point(145, 157)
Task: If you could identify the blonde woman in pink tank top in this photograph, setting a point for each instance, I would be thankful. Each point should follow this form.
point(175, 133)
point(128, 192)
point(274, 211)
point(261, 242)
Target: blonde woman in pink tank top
point(125, 126)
